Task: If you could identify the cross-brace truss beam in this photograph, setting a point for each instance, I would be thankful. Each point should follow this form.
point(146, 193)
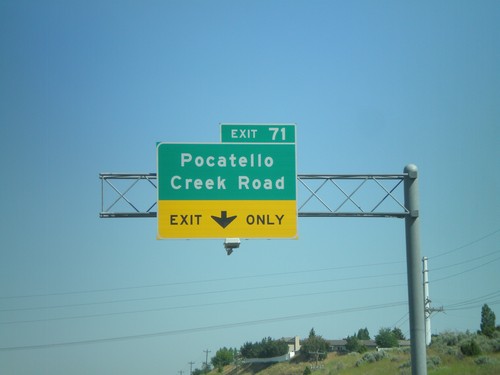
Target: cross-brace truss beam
point(319, 195)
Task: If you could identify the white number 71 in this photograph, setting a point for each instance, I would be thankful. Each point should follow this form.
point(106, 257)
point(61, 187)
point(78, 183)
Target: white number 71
point(276, 131)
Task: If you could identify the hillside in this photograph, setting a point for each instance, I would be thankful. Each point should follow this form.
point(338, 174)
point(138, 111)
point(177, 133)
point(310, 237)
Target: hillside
point(392, 363)
point(444, 357)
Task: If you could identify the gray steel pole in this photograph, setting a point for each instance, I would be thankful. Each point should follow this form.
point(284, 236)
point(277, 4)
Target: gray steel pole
point(414, 273)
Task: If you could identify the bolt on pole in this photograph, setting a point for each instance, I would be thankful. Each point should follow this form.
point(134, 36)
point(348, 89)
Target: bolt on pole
point(414, 273)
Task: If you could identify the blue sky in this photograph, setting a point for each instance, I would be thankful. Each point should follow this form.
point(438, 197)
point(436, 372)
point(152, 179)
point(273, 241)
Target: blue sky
point(90, 87)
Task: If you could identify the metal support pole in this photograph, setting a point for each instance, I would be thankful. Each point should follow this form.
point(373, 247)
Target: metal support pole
point(414, 273)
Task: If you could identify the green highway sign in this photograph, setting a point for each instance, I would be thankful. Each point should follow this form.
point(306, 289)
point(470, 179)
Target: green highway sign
point(211, 171)
point(221, 190)
point(257, 133)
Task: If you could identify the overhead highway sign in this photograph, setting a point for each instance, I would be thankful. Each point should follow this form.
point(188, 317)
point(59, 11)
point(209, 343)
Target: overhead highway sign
point(220, 190)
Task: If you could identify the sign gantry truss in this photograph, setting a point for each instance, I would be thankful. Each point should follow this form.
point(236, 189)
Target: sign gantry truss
point(322, 196)
point(109, 182)
point(319, 195)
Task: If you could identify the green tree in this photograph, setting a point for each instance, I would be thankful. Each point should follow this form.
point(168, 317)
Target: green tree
point(487, 321)
point(206, 368)
point(386, 338)
point(398, 333)
point(223, 357)
point(272, 348)
point(353, 344)
point(314, 344)
point(248, 350)
point(363, 334)
point(267, 348)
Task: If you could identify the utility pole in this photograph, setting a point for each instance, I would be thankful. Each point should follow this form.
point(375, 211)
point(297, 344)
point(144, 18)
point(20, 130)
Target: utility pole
point(427, 301)
point(206, 359)
point(191, 368)
point(317, 353)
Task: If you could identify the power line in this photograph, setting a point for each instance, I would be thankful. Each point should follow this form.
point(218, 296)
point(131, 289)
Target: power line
point(466, 245)
point(474, 303)
point(201, 305)
point(287, 285)
point(102, 290)
point(402, 320)
point(89, 291)
point(466, 271)
point(475, 300)
point(206, 328)
point(465, 261)
point(475, 306)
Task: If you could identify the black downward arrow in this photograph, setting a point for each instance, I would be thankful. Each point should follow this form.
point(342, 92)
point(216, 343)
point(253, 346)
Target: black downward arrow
point(223, 220)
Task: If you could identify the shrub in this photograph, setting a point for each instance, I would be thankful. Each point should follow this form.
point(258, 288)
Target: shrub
point(495, 345)
point(433, 362)
point(372, 357)
point(369, 357)
point(307, 371)
point(470, 348)
point(405, 365)
point(483, 360)
point(454, 351)
point(485, 343)
point(446, 339)
point(359, 362)
point(406, 350)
